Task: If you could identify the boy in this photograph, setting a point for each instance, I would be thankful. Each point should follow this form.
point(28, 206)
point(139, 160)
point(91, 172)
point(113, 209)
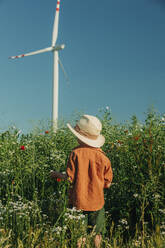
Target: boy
point(89, 171)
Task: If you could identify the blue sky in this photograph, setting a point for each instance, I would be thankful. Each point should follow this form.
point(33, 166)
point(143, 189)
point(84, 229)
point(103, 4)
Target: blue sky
point(114, 56)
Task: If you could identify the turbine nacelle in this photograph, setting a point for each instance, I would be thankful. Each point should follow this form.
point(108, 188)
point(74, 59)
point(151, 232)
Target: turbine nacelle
point(58, 47)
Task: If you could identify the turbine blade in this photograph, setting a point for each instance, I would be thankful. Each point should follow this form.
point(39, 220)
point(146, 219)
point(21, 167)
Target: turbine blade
point(32, 53)
point(62, 67)
point(55, 26)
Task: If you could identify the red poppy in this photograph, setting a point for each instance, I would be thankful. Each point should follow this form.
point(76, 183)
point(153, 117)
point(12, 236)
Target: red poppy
point(59, 179)
point(46, 132)
point(136, 138)
point(22, 148)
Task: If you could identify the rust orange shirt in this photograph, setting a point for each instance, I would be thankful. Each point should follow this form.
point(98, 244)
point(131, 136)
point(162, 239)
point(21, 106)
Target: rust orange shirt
point(89, 171)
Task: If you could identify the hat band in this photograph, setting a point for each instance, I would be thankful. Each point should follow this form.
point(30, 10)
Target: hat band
point(82, 132)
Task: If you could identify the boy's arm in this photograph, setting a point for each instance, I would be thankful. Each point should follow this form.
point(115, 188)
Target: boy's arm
point(56, 174)
point(108, 175)
point(71, 167)
point(70, 171)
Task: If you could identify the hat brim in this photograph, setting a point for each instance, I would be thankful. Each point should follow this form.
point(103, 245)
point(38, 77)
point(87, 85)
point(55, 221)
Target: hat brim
point(90, 142)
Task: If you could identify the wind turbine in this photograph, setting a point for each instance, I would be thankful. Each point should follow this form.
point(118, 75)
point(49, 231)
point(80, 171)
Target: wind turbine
point(55, 49)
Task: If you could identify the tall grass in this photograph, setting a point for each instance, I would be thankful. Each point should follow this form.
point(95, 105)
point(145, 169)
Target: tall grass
point(34, 210)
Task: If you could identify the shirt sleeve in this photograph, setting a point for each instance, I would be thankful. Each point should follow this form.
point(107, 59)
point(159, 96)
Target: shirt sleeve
point(108, 175)
point(71, 167)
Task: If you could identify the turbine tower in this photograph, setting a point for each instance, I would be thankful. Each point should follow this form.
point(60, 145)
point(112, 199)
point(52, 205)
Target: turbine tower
point(55, 49)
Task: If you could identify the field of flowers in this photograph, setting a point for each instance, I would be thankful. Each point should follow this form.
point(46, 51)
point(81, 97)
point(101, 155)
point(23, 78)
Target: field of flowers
point(33, 207)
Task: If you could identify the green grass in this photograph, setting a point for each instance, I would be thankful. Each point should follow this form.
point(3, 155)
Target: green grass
point(34, 210)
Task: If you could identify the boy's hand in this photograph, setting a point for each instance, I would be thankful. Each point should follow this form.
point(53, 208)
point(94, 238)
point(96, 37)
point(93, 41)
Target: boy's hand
point(54, 174)
point(107, 185)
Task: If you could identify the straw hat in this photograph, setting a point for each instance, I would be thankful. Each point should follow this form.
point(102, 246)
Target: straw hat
point(88, 130)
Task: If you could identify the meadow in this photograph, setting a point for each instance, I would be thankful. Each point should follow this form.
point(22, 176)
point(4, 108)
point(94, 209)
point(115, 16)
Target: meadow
point(34, 208)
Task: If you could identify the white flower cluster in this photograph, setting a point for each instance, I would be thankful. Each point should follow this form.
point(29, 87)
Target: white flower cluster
point(136, 195)
point(19, 209)
point(162, 227)
point(117, 144)
point(58, 230)
point(58, 155)
point(73, 210)
point(6, 172)
point(138, 242)
point(124, 224)
point(71, 214)
point(123, 221)
point(129, 134)
point(156, 196)
point(74, 214)
point(74, 217)
point(162, 211)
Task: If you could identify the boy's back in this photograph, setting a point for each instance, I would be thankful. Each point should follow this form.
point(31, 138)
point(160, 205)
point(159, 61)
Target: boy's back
point(90, 172)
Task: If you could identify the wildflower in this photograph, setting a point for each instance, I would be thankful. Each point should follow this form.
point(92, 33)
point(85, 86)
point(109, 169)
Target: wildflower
point(123, 221)
point(117, 144)
point(46, 132)
point(59, 179)
point(135, 195)
point(71, 217)
point(136, 138)
point(58, 229)
point(64, 227)
point(162, 211)
point(137, 243)
point(156, 196)
point(22, 148)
